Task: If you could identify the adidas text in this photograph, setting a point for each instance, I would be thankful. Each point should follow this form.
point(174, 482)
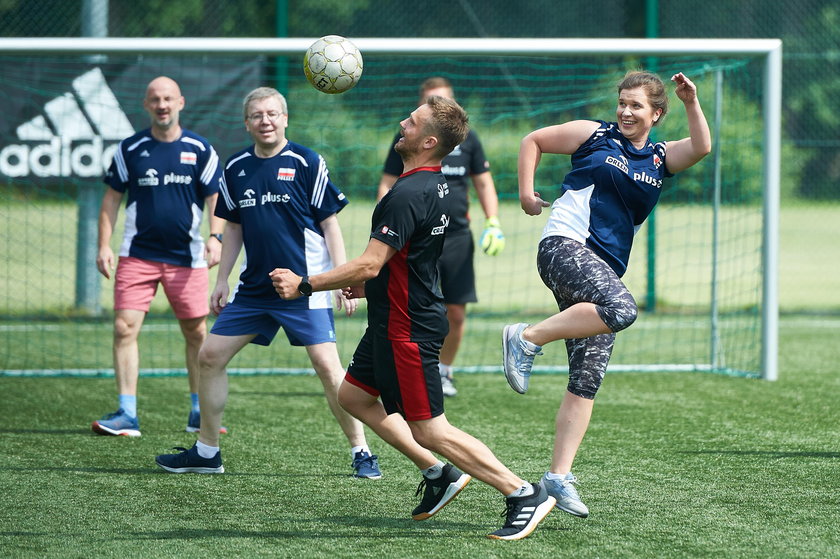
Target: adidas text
point(61, 157)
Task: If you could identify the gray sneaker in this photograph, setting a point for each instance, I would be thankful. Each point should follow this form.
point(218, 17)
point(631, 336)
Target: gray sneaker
point(448, 386)
point(518, 356)
point(567, 496)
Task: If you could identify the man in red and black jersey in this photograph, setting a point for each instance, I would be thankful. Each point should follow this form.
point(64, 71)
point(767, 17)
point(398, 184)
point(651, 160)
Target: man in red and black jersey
point(393, 384)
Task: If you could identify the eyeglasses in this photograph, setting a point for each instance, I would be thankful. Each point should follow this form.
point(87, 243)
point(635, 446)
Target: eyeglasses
point(257, 117)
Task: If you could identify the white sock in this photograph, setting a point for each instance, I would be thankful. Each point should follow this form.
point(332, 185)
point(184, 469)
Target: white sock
point(206, 451)
point(524, 491)
point(445, 370)
point(433, 472)
point(555, 477)
point(356, 449)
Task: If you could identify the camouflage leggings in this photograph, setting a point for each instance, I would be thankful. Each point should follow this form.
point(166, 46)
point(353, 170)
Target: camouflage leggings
point(575, 274)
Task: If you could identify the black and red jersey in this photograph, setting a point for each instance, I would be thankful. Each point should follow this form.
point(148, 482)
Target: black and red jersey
point(404, 300)
point(463, 161)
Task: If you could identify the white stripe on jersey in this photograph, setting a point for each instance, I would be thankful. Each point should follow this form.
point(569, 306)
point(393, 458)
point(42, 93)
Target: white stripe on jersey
point(196, 243)
point(210, 168)
point(290, 153)
point(119, 161)
point(232, 161)
point(223, 188)
point(570, 215)
point(194, 142)
point(133, 146)
point(317, 262)
point(320, 186)
point(130, 228)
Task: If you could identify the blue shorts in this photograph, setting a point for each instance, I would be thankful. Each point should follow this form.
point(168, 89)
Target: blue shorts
point(303, 327)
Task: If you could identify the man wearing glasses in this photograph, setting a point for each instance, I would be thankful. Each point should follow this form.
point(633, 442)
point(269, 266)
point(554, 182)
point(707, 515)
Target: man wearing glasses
point(281, 205)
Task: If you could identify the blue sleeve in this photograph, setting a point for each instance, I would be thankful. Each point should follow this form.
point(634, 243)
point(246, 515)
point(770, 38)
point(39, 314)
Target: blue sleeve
point(211, 172)
point(226, 206)
point(113, 177)
point(325, 198)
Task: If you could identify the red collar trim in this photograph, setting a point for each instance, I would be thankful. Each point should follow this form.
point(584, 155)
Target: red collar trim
point(411, 172)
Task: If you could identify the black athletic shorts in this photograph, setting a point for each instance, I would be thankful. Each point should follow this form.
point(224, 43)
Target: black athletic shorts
point(403, 374)
point(457, 273)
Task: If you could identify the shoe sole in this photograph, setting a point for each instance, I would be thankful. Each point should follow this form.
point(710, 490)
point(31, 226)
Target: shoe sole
point(571, 511)
point(357, 476)
point(512, 381)
point(542, 511)
point(195, 470)
point(449, 495)
point(102, 430)
point(222, 430)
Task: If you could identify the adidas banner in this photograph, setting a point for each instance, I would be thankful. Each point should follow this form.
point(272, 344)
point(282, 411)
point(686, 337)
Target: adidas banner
point(64, 118)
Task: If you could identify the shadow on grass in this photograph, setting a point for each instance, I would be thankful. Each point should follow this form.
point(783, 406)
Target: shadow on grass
point(45, 431)
point(348, 527)
point(158, 471)
point(768, 453)
point(276, 394)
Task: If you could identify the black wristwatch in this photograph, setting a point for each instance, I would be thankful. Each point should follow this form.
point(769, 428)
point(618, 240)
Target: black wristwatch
point(305, 287)
point(218, 236)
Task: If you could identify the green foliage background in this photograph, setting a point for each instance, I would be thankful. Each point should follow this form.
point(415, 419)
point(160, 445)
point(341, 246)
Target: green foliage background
point(810, 30)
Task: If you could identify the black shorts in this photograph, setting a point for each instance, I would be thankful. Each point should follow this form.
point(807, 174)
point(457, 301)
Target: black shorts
point(404, 375)
point(457, 273)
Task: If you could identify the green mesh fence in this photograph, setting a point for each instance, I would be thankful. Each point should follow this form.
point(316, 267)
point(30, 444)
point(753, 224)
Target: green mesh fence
point(44, 330)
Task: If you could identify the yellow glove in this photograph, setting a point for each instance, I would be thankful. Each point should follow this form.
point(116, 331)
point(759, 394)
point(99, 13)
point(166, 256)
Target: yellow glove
point(492, 239)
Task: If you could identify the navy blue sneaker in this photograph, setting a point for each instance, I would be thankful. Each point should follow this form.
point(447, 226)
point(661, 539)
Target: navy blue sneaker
point(117, 424)
point(190, 462)
point(366, 466)
point(194, 423)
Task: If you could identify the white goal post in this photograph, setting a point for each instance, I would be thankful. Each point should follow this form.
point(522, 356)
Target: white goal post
point(767, 50)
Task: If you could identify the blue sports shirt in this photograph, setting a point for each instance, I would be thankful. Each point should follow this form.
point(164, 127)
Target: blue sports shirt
point(608, 194)
point(167, 183)
point(280, 203)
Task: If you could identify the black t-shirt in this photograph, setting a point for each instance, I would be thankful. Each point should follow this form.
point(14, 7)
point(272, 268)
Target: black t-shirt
point(404, 300)
point(465, 160)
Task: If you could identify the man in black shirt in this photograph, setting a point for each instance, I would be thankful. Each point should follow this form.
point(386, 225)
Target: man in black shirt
point(393, 384)
point(464, 164)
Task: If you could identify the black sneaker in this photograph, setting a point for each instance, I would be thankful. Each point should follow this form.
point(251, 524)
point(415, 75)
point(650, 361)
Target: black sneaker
point(439, 492)
point(522, 514)
point(190, 461)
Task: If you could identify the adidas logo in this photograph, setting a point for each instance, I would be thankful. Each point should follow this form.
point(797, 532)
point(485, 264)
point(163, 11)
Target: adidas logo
point(241, 173)
point(69, 139)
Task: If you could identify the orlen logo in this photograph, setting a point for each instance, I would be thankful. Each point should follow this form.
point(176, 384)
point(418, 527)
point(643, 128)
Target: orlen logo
point(249, 200)
point(151, 178)
point(70, 138)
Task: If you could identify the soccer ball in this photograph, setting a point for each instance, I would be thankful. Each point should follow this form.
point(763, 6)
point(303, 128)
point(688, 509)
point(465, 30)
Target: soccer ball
point(332, 64)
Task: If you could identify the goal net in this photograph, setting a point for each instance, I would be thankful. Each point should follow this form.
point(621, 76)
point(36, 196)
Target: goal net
point(702, 268)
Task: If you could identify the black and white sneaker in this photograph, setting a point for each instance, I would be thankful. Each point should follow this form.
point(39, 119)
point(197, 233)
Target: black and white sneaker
point(439, 492)
point(522, 514)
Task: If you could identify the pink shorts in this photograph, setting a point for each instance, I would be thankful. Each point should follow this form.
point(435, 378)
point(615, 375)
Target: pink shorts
point(186, 289)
